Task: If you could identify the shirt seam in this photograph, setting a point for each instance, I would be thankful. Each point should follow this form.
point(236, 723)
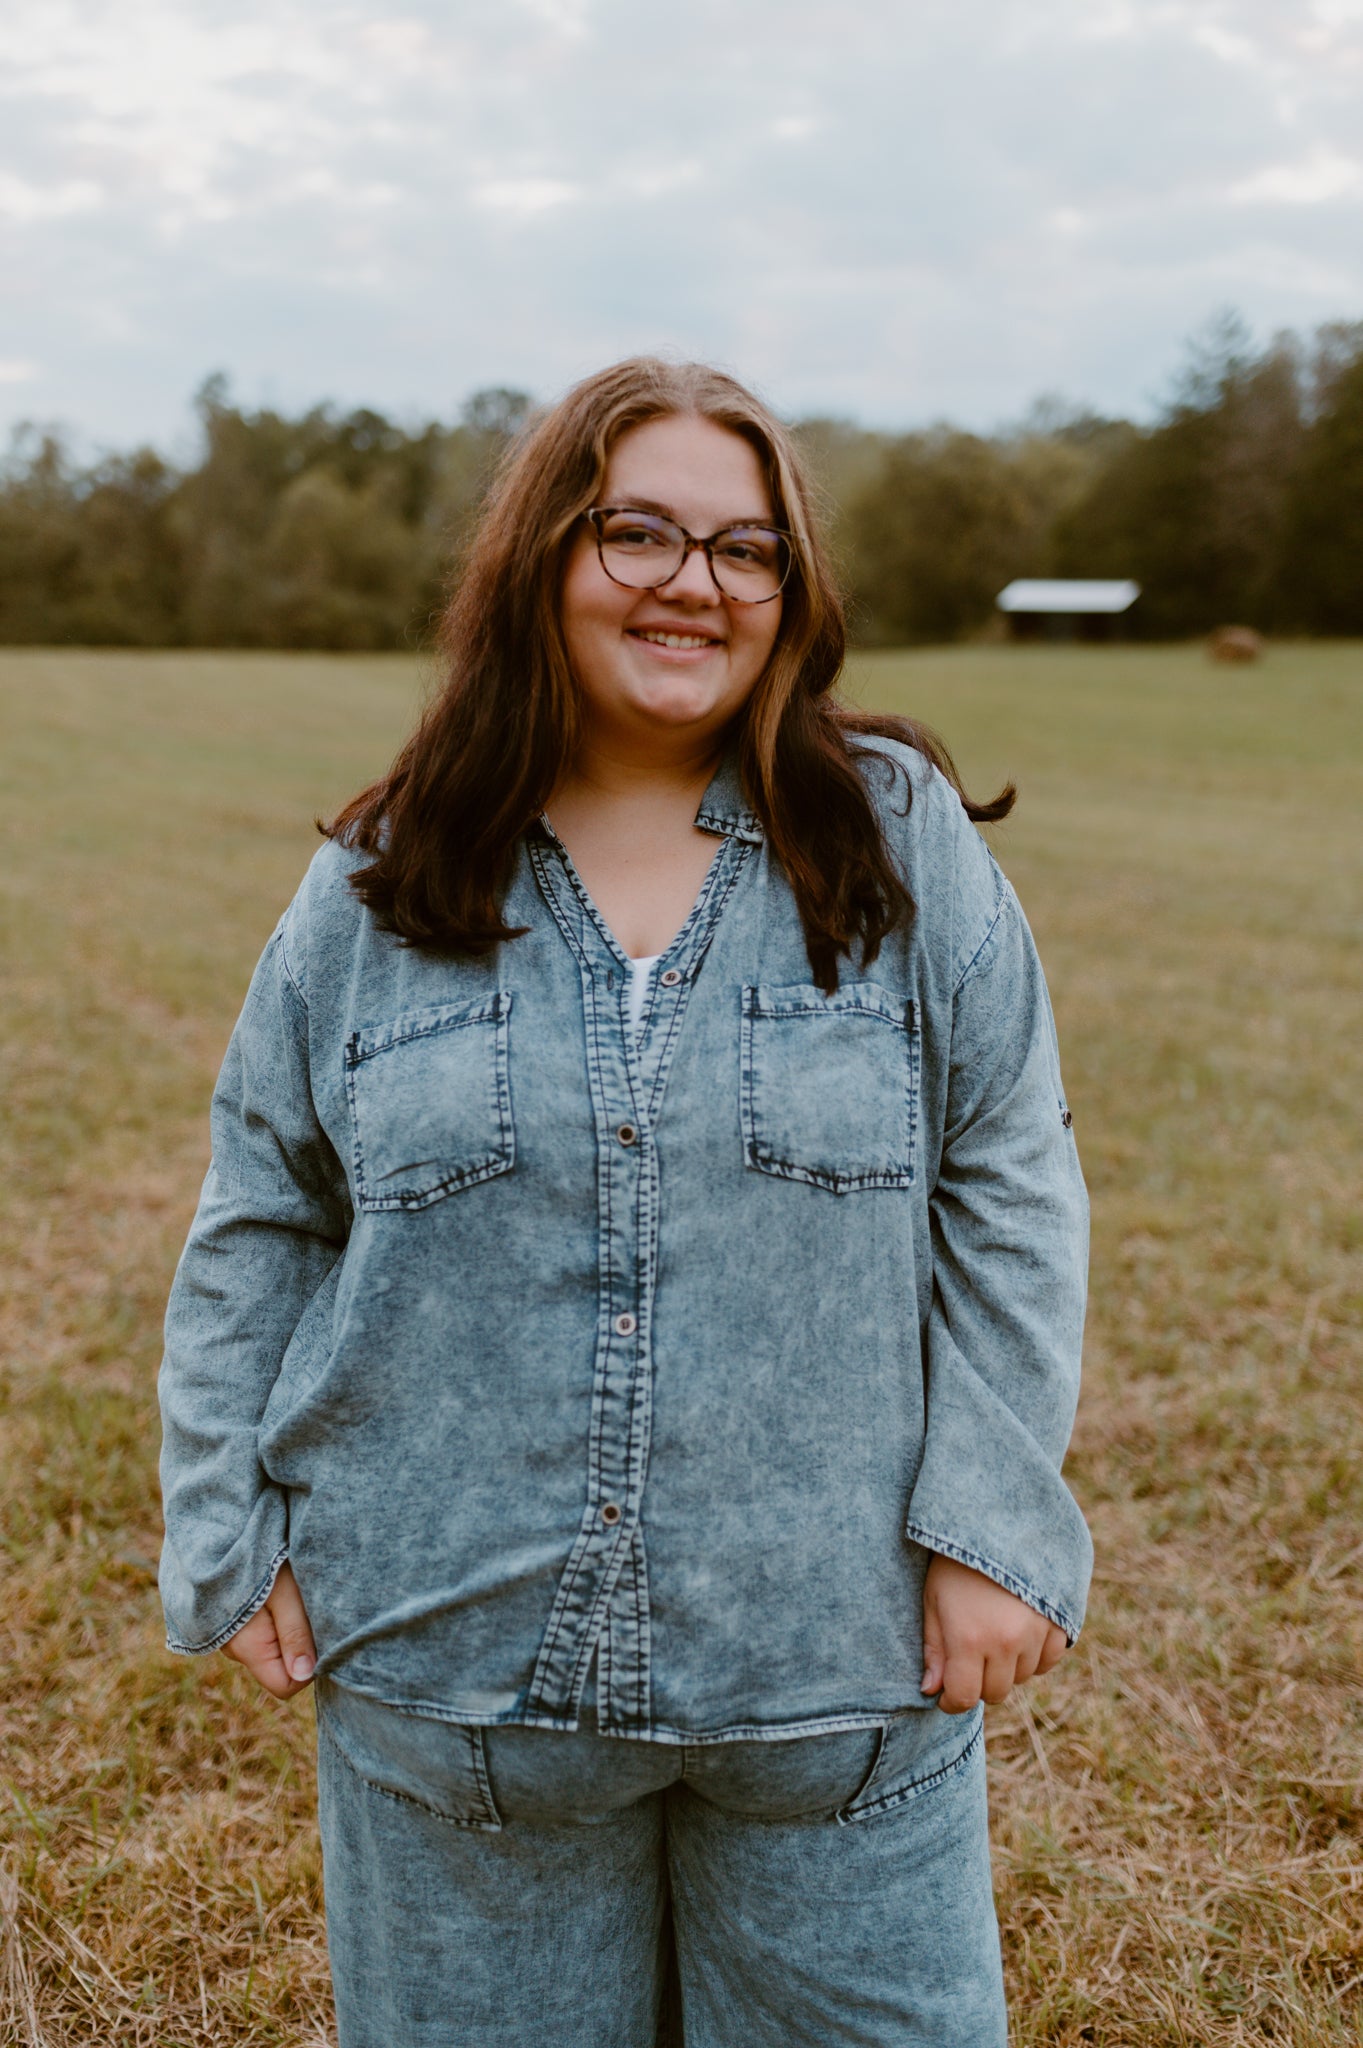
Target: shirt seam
point(1004, 894)
point(294, 982)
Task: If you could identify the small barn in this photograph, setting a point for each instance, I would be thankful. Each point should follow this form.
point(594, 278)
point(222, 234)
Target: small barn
point(1055, 608)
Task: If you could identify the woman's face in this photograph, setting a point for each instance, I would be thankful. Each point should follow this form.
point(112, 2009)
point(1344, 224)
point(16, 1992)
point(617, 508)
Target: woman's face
point(635, 686)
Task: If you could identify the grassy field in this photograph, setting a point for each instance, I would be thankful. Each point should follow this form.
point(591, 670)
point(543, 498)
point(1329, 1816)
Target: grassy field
point(1178, 1808)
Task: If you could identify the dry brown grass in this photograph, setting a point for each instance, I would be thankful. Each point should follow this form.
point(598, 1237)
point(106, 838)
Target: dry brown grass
point(1178, 1808)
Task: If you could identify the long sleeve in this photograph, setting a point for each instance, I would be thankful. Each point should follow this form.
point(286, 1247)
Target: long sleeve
point(270, 1227)
point(1009, 1222)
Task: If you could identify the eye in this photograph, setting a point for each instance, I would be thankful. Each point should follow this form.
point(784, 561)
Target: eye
point(748, 547)
point(636, 533)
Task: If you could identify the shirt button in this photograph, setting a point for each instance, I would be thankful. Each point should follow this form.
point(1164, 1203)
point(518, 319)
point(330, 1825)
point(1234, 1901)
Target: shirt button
point(610, 1513)
point(626, 1134)
point(625, 1325)
point(670, 978)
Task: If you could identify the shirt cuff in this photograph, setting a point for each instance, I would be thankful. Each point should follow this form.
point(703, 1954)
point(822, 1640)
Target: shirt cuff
point(202, 1617)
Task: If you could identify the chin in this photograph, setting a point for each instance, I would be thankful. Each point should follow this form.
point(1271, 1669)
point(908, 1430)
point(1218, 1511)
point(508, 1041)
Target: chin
point(671, 705)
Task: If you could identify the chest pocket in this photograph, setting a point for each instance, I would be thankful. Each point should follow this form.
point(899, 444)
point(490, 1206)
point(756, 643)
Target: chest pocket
point(430, 1103)
point(829, 1086)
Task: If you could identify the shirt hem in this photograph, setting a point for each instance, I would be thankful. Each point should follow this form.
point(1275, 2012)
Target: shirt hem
point(836, 1722)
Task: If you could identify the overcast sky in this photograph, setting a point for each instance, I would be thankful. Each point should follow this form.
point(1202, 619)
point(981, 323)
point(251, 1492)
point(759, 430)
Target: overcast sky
point(896, 212)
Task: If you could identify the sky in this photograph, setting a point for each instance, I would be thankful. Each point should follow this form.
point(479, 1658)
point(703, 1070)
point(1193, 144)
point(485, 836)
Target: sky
point(890, 210)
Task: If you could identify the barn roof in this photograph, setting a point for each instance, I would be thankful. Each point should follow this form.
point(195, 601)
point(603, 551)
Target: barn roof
point(1039, 594)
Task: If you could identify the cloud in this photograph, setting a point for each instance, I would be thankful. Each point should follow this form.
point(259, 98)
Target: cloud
point(1323, 175)
point(524, 198)
point(24, 200)
point(894, 213)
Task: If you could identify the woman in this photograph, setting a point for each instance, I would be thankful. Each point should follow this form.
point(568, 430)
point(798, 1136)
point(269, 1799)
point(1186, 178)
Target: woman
point(630, 1331)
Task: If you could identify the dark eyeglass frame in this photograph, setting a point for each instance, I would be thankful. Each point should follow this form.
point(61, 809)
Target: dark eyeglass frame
point(598, 514)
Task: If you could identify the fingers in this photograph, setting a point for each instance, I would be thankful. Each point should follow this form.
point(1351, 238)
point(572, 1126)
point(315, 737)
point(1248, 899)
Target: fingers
point(1001, 1674)
point(992, 1678)
point(296, 1647)
point(276, 1644)
point(1028, 1657)
point(256, 1645)
point(1057, 1642)
point(934, 1646)
point(962, 1682)
point(979, 1640)
point(971, 1676)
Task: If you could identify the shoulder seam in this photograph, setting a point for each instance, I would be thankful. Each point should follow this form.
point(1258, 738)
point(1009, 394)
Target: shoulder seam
point(294, 982)
point(1004, 893)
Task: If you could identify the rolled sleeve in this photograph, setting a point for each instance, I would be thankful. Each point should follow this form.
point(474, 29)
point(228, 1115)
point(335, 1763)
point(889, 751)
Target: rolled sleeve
point(271, 1224)
point(1009, 1223)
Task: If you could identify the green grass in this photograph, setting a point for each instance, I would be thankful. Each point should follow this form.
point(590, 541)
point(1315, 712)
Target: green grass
point(1177, 1810)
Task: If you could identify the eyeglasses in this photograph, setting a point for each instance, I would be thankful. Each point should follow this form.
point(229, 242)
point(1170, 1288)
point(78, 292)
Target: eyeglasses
point(642, 550)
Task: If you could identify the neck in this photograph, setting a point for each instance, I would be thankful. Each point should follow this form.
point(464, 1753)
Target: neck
point(617, 769)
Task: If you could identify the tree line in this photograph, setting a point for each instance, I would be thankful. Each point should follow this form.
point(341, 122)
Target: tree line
point(1242, 500)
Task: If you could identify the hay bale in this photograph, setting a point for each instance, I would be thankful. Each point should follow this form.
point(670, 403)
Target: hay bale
point(1234, 644)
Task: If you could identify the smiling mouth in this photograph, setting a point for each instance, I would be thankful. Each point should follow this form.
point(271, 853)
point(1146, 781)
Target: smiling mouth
point(660, 639)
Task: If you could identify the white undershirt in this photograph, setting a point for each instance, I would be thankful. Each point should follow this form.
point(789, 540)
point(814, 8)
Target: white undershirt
point(636, 993)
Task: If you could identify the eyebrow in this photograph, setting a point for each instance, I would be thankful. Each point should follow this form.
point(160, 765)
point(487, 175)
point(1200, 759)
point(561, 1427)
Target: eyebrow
point(633, 504)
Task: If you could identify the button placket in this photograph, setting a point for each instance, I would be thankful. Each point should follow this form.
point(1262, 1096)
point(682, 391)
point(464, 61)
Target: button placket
point(625, 1075)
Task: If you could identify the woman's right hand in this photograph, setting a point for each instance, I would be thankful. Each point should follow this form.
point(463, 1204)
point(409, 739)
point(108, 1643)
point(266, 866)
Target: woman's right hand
point(276, 1644)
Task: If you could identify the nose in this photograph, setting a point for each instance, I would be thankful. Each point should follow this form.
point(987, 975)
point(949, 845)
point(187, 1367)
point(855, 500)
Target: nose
point(693, 582)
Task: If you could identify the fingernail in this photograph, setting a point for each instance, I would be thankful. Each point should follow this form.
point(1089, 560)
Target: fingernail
point(301, 1668)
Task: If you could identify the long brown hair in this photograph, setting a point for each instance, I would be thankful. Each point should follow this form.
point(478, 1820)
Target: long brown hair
point(443, 824)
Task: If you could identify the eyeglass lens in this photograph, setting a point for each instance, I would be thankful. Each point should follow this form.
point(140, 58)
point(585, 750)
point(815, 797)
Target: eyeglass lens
point(642, 550)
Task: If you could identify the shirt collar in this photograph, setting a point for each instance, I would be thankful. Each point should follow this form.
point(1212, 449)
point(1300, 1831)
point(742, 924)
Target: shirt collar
point(724, 808)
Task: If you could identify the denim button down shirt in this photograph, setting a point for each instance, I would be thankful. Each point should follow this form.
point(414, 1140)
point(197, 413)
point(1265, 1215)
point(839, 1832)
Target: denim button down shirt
point(535, 1345)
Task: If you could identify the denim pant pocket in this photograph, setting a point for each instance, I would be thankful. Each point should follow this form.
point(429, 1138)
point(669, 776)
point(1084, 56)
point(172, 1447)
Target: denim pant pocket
point(436, 1765)
point(919, 1751)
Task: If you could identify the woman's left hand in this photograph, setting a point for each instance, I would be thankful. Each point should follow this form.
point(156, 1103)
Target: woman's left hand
point(979, 1640)
point(276, 1644)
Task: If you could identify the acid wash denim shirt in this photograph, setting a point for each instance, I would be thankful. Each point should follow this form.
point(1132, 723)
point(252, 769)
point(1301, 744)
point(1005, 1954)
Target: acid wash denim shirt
point(536, 1347)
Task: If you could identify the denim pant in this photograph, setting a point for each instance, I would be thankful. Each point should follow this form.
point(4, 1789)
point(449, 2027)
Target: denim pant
point(512, 1887)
